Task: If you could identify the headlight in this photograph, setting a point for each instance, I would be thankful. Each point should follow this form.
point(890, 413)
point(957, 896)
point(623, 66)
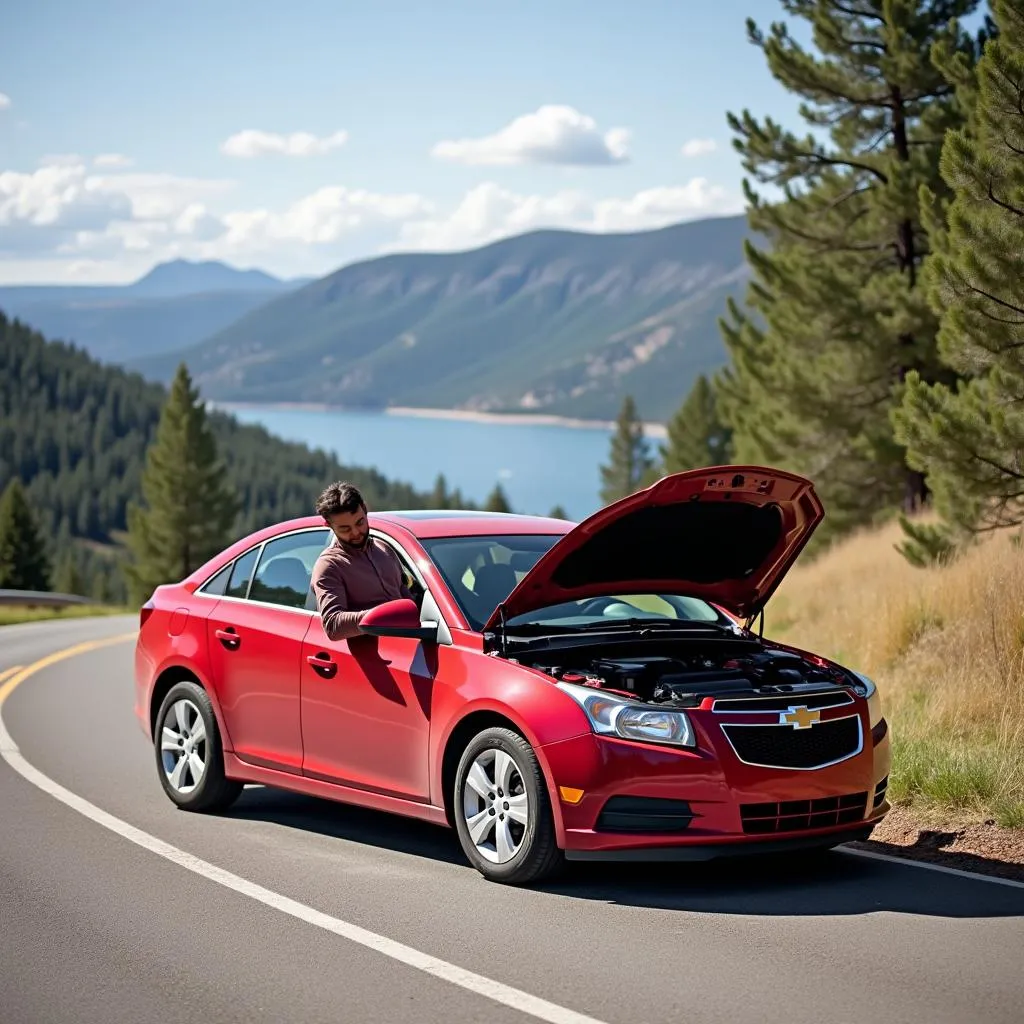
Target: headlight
point(869, 687)
point(873, 698)
point(614, 716)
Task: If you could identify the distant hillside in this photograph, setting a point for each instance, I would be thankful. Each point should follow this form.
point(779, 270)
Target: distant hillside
point(186, 277)
point(173, 306)
point(76, 433)
point(553, 321)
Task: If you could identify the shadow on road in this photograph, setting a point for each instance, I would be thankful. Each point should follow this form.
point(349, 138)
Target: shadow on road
point(834, 883)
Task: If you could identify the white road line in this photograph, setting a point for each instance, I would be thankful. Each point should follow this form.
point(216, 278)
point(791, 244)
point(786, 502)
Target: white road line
point(487, 987)
point(974, 876)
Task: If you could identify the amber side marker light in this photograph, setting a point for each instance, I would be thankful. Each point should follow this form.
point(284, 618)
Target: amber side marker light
point(570, 795)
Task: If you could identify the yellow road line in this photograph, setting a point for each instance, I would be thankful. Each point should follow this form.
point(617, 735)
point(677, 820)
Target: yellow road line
point(12, 678)
point(9, 672)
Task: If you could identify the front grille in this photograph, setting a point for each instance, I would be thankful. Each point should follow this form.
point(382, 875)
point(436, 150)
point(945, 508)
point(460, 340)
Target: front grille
point(831, 699)
point(801, 815)
point(782, 746)
point(644, 814)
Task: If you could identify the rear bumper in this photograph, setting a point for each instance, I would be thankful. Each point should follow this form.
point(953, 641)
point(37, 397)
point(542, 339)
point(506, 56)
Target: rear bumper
point(645, 802)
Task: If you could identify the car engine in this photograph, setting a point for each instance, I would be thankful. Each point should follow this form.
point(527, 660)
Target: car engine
point(684, 680)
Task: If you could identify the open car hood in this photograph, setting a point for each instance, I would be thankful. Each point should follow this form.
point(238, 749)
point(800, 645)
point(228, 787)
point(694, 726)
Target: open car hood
point(727, 534)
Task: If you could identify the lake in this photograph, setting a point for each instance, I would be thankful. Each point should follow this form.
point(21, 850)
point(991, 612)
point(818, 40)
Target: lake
point(539, 465)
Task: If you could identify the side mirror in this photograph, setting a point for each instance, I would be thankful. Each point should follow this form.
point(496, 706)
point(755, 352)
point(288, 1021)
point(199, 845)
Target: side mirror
point(398, 618)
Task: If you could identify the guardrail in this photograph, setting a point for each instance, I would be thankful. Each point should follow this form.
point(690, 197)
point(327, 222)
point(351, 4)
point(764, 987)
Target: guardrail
point(42, 598)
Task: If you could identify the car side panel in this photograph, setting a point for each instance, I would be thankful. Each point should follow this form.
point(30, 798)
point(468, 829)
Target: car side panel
point(258, 680)
point(173, 638)
point(469, 681)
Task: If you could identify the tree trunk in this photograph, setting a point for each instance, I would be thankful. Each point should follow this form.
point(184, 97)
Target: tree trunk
point(915, 489)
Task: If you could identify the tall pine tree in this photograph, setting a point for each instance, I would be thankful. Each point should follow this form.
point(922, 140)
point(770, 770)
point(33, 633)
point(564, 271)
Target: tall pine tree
point(696, 435)
point(188, 510)
point(837, 317)
point(630, 464)
point(497, 500)
point(970, 440)
point(24, 562)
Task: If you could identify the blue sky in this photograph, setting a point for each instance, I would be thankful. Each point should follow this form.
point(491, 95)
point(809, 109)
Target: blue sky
point(114, 137)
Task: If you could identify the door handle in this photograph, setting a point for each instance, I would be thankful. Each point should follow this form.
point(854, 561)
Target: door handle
point(228, 637)
point(322, 663)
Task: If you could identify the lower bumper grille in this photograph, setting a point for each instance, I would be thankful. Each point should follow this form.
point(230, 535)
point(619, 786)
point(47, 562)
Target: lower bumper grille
point(801, 815)
point(644, 814)
point(782, 746)
point(880, 792)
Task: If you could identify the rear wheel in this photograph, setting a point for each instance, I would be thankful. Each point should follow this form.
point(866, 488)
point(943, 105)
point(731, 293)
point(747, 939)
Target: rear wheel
point(188, 751)
point(502, 812)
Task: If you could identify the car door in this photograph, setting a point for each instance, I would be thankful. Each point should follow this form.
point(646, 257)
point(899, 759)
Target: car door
point(366, 707)
point(255, 642)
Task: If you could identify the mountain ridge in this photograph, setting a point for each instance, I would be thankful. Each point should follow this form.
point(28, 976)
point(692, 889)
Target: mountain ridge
point(552, 321)
point(173, 305)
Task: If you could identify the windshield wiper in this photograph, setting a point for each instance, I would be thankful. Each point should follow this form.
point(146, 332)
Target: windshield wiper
point(637, 625)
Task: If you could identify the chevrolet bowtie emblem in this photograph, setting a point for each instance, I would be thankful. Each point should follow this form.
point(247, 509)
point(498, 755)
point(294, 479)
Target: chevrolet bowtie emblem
point(800, 718)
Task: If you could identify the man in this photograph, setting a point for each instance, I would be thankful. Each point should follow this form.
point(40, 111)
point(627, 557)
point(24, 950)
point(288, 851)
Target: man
point(355, 572)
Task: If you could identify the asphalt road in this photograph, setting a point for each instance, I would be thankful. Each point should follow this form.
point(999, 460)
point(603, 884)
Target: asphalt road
point(96, 927)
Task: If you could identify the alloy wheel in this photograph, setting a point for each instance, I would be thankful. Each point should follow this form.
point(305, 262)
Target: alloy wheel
point(495, 805)
point(183, 746)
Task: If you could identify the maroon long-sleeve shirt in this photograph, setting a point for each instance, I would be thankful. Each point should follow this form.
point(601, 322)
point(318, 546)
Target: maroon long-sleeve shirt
point(346, 582)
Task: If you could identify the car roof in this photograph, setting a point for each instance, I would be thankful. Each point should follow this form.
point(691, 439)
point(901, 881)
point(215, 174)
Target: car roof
point(430, 523)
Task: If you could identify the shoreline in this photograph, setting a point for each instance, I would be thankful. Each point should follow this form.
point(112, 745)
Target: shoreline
point(651, 430)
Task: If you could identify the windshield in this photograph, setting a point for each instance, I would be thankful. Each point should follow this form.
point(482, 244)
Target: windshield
point(482, 571)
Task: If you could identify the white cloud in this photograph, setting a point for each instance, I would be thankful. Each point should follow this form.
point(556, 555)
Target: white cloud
point(254, 143)
point(44, 209)
point(5, 101)
point(489, 212)
point(62, 208)
point(321, 218)
point(112, 160)
point(160, 196)
point(699, 147)
point(550, 135)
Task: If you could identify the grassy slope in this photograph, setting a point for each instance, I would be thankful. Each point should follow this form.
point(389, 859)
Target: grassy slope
point(12, 614)
point(946, 647)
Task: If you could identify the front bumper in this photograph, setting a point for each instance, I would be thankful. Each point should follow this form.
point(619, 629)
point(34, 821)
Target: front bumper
point(647, 802)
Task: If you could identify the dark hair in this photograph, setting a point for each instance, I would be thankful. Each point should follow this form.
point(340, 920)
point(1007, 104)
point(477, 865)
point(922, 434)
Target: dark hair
point(339, 497)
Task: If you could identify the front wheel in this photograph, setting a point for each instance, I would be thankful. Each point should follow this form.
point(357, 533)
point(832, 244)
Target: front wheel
point(502, 811)
point(188, 751)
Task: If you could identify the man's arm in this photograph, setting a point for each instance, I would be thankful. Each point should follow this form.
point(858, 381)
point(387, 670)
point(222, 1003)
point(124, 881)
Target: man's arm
point(339, 622)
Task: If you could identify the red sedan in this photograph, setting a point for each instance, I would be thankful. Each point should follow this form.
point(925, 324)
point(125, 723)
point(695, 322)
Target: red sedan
point(553, 692)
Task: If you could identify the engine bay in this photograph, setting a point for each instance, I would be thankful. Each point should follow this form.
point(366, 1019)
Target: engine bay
point(684, 678)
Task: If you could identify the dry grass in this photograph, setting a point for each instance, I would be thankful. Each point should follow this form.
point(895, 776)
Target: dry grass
point(946, 647)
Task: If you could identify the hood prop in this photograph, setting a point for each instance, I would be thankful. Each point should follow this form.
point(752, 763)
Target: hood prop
point(750, 622)
point(502, 633)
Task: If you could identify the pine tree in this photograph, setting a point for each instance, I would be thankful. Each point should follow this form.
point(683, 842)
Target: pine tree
point(189, 511)
point(24, 564)
point(970, 439)
point(439, 496)
point(558, 513)
point(837, 318)
point(696, 435)
point(497, 501)
point(68, 580)
point(630, 464)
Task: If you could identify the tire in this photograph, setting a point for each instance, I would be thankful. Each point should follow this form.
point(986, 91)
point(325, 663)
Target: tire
point(185, 706)
point(534, 852)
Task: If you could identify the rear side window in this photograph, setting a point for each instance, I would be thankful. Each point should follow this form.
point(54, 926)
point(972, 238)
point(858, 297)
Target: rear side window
point(241, 573)
point(286, 568)
point(217, 585)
